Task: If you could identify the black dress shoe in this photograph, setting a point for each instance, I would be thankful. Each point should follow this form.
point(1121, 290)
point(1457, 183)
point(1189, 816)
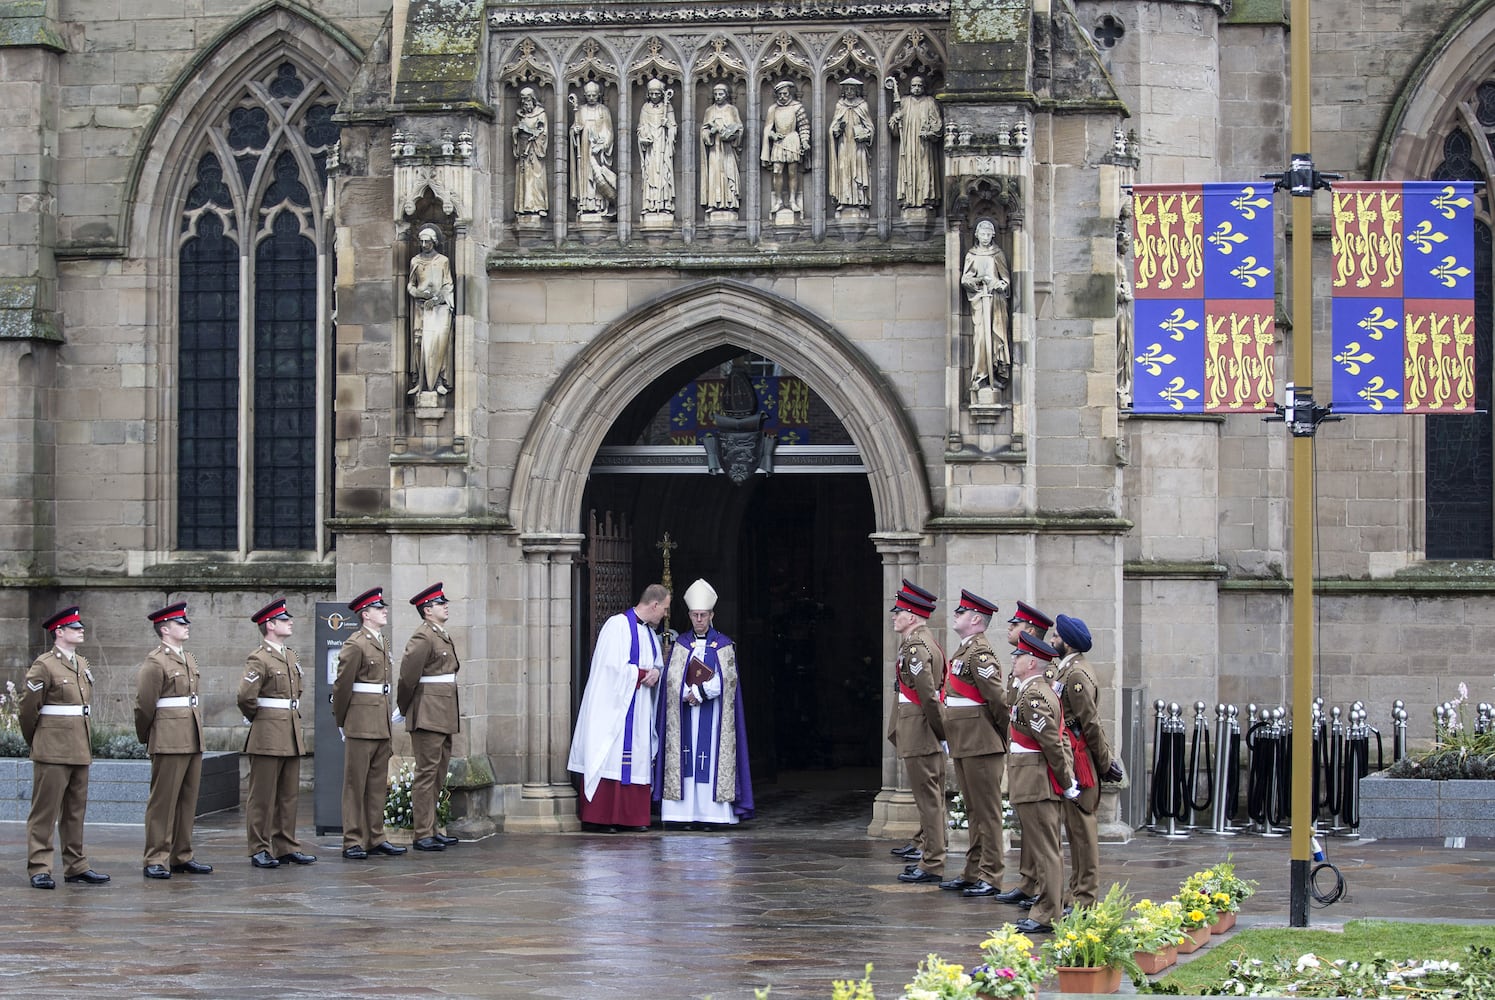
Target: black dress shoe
point(908, 852)
point(385, 847)
point(980, 887)
point(1014, 896)
point(1028, 925)
point(355, 853)
point(449, 841)
point(428, 844)
point(920, 875)
point(191, 867)
point(297, 858)
point(957, 883)
point(89, 877)
point(1027, 903)
point(41, 880)
point(262, 859)
point(156, 871)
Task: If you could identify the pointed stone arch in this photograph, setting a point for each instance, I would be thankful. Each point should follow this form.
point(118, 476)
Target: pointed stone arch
point(570, 424)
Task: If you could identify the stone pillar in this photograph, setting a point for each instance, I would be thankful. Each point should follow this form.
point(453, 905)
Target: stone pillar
point(547, 799)
point(894, 814)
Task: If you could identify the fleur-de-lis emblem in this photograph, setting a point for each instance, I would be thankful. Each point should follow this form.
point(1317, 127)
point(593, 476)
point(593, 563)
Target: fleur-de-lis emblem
point(1225, 238)
point(1377, 394)
point(1154, 358)
point(1176, 395)
point(1448, 203)
point(1248, 272)
point(1376, 323)
point(1177, 326)
point(1352, 357)
point(1423, 237)
point(1248, 202)
point(1449, 272)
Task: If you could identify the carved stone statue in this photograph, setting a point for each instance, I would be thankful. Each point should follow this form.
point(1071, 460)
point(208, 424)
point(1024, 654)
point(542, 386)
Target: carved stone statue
point(786, 150)
point(920, 129)
point(849, 173)
point(656, 130)
point(721, 144)
point(987, 282)
point(531, 143)
point(430, 287)
point(594, 185)
point(1126, 347)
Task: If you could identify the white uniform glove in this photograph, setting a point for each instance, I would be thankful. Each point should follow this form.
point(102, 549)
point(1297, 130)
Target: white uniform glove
point(945, 746)
point(395, 717)
point(1073, 791)
point(340, 734)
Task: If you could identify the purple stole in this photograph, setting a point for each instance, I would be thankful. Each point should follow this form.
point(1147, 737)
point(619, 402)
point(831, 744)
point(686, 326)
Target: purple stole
point(633, 653)
point(688, 768)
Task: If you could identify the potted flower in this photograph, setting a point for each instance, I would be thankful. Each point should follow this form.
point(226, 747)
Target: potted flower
point(1093, 944)
point(1197, 911)
point(1227, 891)
point(1157, 929)
point(937, 979)
point(1009, 968)
point(399, 814)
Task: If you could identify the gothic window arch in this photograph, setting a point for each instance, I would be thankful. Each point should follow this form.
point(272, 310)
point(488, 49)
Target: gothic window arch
point(1460, 450)
point(253, 266)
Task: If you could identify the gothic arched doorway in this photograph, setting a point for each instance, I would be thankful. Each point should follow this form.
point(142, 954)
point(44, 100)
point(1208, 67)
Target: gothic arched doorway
point(790, 555)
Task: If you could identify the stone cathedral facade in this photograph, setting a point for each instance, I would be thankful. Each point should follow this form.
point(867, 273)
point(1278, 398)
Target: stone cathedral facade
point(302, 298)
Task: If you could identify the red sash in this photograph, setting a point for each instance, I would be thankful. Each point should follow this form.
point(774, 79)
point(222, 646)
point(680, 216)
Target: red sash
point(1027, 742)
point(956, 685)
point(907, 691)
point(1084, 767)
point(913, 695)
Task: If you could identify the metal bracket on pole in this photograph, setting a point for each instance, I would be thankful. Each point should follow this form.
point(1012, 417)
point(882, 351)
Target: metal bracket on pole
point(1302, 412)
point(1301, 179)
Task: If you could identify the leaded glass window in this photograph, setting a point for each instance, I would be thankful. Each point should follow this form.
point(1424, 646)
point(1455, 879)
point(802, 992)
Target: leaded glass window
point(248, 411)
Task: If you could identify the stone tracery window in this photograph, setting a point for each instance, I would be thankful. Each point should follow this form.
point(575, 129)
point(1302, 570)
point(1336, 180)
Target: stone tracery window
point(252, 257)
point(1460, 467)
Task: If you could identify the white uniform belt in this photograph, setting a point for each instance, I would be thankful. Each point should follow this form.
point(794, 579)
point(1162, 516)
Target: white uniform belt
point(64, 709)
point(958, 701)
point(276, 702)
point(1015, 747)
point(439, 679)
point(178, 701)
point(361, 688)
point(904, 699)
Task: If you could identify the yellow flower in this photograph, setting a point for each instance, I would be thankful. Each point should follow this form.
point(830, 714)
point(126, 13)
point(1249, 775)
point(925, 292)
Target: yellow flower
point(1196, 914)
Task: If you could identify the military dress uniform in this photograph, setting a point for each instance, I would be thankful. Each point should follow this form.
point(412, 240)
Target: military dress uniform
point(54, 721)
point(917, 730)
point(1038, 770)
point(1037, 624)
point(360, 707)
point(168, 720)
point(427, 697)
point(976, 719)
point(270, 698)
point(1093, 756)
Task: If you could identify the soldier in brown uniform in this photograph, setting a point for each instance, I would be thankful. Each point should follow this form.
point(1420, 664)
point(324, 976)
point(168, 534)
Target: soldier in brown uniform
point(427, 699)
point(1040, 776)
point(917, 727)
point(360, 707)
point(169, 722)
point(270, 698)
point(54, 722)
point(1093, 758)
point(976, 716)
point(1026, 620)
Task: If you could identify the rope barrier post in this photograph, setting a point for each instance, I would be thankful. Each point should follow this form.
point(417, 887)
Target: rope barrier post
point(1219, 823)
point(1199, 759)
point(1160, 718)
point(1398, 730)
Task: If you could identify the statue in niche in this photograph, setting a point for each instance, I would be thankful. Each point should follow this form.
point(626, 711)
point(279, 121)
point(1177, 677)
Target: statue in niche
point(721, 144)
point(531, 143)
point(1125, 321)
point(430, 287)
point(850, 168)
point(594, 185)
point(786, 151)
point(988, 283)
point(920, 129)
point(656, 130)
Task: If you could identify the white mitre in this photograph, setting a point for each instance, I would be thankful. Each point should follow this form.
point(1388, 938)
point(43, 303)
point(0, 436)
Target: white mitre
point(700, 597)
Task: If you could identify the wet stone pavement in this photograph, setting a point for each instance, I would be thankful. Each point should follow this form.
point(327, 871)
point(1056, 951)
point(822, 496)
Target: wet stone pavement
point(793, 899)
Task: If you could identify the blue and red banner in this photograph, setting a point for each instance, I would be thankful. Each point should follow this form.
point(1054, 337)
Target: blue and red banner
point(784, 399)
point(1204, 299)
point(1403, 297)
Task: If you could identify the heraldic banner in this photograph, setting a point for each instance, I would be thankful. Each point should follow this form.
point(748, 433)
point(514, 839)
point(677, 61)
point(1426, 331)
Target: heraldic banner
point(1204, 287)
point(1403, 298)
